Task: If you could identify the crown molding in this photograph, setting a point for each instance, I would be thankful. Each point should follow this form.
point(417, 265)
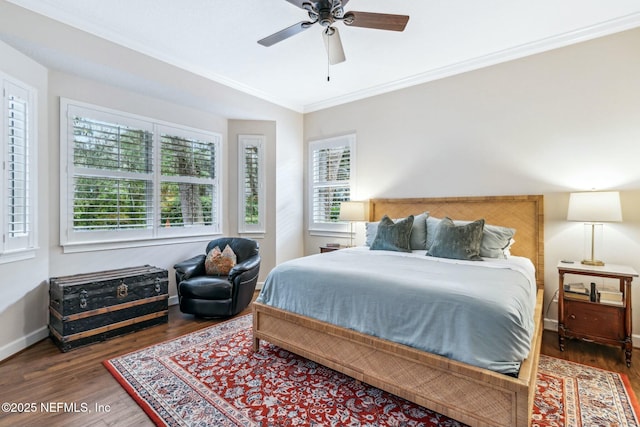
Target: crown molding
point(584, 34)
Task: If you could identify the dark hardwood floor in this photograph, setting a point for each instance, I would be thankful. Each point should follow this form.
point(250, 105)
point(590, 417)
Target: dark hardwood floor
point(42, 374)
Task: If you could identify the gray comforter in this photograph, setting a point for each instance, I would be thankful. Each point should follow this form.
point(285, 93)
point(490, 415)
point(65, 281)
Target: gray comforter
point(477, 312)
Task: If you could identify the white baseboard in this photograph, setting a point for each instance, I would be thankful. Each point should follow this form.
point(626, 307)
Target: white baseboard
point(174, 300)
point(550, 324)
point(23, 342)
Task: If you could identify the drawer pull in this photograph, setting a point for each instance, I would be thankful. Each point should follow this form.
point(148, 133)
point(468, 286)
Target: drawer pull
point(572, 316)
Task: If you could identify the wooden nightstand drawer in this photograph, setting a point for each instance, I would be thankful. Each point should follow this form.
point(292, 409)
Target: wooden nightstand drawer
point(596, 320)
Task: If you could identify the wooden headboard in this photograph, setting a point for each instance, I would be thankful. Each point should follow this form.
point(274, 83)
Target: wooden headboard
point(524, 213)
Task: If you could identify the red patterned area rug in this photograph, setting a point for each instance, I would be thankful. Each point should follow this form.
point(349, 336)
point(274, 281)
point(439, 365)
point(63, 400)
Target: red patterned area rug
point(213, 378)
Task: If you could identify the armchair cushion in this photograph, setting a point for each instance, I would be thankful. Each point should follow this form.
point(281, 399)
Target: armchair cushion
point(206, 287)
point(219, 262)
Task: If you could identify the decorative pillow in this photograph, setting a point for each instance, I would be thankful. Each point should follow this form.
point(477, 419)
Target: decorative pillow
point(418, 238)
point(219, 263)
point(496, 240)
point(457, 241)
point(432, 226)
point(393, 236)
point(370, 231)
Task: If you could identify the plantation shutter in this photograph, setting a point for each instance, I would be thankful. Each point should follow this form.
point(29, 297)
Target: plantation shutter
point(189, 183)
point(18, 201)
point(331, 169)
point(132, 179)
point(251, 184)
point(112, 175)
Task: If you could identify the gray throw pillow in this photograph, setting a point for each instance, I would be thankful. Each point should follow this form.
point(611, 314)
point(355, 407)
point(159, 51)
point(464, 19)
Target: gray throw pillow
point(370, 230)
point(495, 239)
point(393, 236)
point(457, 241)
point(418, 238)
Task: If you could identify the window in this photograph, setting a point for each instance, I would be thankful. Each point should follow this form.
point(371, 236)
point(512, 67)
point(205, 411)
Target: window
point(251, 184)
point(188, 184)
point(331, 164)
point(128, 178)
point(18, 171)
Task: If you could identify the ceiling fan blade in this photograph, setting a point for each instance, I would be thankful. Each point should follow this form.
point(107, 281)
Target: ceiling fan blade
point(333, 44)
point(285, 34)
point(379, 21)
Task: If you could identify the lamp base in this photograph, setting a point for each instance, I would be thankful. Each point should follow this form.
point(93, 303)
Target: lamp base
point(592, 262)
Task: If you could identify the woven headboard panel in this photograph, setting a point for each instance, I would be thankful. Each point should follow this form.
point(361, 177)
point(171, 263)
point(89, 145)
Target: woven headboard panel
point(524, 213)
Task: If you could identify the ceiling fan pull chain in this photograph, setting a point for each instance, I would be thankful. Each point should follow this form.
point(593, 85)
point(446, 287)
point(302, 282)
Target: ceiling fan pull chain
point(328, 56)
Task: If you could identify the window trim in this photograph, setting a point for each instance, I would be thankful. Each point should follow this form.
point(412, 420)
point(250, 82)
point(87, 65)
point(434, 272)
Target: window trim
point(339, 227)
point(95, 240)
point(244, 141)
point(23, 247)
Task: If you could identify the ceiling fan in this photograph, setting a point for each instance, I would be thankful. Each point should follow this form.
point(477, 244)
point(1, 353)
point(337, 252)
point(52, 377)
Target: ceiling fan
point(328, 12)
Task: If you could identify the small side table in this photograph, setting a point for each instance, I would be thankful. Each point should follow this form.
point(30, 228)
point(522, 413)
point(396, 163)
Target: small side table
point(325, 248)
point(596, 321)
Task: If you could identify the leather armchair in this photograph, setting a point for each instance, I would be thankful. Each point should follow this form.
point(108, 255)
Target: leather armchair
point(219, 296)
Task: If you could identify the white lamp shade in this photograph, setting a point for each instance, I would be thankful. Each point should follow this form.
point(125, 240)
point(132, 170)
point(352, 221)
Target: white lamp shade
point(595, 206)
point(352, 211)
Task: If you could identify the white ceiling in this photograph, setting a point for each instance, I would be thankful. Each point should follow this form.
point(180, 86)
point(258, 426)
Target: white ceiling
point(218, 40)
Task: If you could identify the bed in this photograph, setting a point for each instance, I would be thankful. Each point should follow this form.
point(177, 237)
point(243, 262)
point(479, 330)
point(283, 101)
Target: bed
point(471, 394)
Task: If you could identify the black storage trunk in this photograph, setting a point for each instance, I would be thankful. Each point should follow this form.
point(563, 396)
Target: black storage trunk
point(86, 308)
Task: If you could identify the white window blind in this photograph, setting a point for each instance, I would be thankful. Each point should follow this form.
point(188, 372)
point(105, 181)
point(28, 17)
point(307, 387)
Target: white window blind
point(251, 171)
point(128, 178)
point(189, 181)
point(18, 158)
point(331, 168)
point(112, 179)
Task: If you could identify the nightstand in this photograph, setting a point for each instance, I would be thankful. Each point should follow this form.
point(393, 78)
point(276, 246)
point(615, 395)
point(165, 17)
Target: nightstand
point(326, 248)
point(590, 319)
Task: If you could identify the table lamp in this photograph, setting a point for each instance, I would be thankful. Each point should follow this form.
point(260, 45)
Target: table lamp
point(352, 211)
point(594, 207)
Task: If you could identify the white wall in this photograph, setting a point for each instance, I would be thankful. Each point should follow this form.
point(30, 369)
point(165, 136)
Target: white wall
point(23, 289)
point(549, 124)
point(267, 241)
point(109, 75)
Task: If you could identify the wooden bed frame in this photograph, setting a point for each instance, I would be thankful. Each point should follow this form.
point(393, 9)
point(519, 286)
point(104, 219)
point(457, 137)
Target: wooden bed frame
point(469, 394)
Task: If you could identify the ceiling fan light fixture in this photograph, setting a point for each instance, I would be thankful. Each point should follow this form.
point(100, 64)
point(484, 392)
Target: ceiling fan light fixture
point(333, 45)
point(326, 13)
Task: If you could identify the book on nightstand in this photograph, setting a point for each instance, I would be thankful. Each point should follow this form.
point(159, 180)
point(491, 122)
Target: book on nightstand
point(577, 291)
point(610, 297)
